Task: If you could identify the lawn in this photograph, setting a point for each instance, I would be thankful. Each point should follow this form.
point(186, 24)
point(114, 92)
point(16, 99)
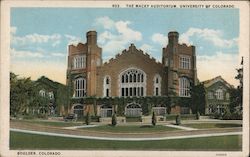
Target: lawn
point(131, 128)
point(50, 123)
point(222, 143)
point(211, 125)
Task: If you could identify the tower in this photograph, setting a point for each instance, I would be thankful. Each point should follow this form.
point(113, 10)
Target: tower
point(169, 59)
point(94, 59)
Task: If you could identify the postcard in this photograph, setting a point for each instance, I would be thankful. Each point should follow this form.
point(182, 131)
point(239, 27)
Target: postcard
point(124, 78)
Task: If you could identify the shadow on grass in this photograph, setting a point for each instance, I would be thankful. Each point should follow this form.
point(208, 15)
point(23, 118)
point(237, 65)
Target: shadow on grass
point(218, 125)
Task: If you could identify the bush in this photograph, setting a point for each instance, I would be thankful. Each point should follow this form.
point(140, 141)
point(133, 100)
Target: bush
point(178, 119)
point(198, 115)
point(114, 120)
point(153, 119)
point(87, 119)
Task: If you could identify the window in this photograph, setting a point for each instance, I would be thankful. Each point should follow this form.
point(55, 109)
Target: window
point(157, 85)
point(210, 95)
point(219, 94)
point(132, 82)
point(184, 86)
point(79, 62)
point(166, 62)
point(106, 86)
point(227, 96)
point(42, 93)
point(80, 87)
point(51, 95)
point(185, 62)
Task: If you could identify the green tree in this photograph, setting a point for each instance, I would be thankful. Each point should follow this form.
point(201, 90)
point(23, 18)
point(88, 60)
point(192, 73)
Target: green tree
point(178, 119)
point(198, 98)
point(114, 120)
point(236, 94)
point(154, 119)
point(87, 119)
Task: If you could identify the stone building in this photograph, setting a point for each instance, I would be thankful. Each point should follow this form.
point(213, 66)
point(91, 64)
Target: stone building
point(131, 73)
point(217, 95)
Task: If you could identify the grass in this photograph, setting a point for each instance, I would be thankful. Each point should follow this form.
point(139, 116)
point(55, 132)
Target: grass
point(50, 123)
point(221, 143)
point(212, 125)
point(131, 128)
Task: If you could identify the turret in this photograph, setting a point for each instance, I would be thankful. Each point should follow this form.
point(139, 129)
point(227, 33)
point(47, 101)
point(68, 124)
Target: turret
point(91, 37)
point(173, 38)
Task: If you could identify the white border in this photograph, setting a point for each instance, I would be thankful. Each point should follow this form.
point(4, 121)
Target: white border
point(4, 75)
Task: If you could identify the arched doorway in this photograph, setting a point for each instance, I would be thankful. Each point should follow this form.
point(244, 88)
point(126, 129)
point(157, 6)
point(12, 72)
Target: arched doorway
point(106, 111)
point(78, 110)
point(133, 110)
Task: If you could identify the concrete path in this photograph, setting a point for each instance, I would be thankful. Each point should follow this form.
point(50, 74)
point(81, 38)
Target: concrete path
point(125, 139)
point(180, 127)
point(79, 127)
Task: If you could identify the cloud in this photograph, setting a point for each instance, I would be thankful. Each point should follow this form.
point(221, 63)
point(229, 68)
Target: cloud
point(219, 64)
point(72, 39)
point(55, 54)
point(13, 30)
point(25, 54)
point(34, 38)
point(210, 35)
point(147, 48)
point(160, 39)
point(105, 21)
point(117, 35)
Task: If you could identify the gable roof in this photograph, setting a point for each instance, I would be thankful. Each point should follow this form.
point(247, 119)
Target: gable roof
point(212, 81)
point(132, 49)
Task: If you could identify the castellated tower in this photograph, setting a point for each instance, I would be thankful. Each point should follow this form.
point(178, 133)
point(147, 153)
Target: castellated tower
point(83, 60)
point(180, 63)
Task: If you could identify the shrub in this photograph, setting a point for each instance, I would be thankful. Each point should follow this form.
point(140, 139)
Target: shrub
point(153, 119)
point(114, 120)
point(87, 119)
point(198, 115)
point(178, 119)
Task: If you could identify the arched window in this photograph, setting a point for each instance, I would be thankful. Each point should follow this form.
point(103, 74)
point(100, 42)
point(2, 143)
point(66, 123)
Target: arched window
point(80, 87)
point(132, 82)
point(157, 85)
point(184, 87)
point(42, 93)
point(106, 86)
point(219, 94)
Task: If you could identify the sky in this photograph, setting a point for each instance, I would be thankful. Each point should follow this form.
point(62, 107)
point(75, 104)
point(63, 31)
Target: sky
point(40, 37)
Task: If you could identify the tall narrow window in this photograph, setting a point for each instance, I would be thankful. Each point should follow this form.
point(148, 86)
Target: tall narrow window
point(219, 94)
point(79, 62)
point(106, 86)
point(157, 85)
point(80, 87)
point(185, 62)
point(184, 87)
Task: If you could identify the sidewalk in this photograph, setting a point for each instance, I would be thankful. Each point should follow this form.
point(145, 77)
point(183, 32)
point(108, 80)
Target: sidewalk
point(125, 139)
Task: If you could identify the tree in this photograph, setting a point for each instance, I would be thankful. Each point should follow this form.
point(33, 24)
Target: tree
point(178, 119)
point(198, 98)
point(87, 119)
point(236, 93)
point(154, 119)
point(114, 120)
